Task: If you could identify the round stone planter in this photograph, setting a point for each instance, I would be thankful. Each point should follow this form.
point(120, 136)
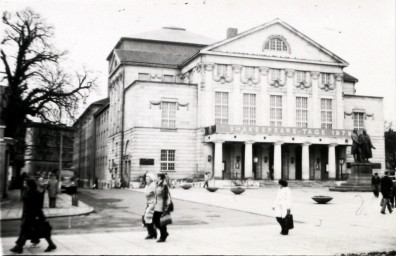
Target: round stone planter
point(237, 190)
point(212, 189)
point(322, 199)
point(186, 186)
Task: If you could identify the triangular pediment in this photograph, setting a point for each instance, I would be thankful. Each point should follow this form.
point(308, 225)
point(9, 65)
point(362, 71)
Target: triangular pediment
point(253, 43)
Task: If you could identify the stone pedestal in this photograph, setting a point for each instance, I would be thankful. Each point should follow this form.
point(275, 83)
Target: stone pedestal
point(359, 179)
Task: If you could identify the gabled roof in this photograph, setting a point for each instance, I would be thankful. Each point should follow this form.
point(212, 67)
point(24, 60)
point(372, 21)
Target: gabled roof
point(174, 34)
point(349, 78)
point(275, 21)
point(151, 57)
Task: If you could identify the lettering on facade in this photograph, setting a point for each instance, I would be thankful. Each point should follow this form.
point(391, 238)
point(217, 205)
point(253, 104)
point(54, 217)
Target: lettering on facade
point(285, 131)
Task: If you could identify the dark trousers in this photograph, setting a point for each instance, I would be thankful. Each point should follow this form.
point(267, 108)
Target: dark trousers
point(156, 221)
point(206, 184)
point(52, 202)
point(151, 230)
point(282, 223)
point(388, 204)
point(26, 229)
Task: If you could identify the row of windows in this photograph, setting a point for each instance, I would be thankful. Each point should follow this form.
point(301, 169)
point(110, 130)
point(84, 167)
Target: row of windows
point(165, 78)
point(276, 110)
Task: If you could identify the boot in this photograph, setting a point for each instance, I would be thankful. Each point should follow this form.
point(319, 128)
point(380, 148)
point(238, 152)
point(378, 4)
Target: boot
point(17, 249)
point(51, 245)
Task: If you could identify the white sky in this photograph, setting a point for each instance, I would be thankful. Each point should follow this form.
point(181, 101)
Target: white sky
point(362, 32)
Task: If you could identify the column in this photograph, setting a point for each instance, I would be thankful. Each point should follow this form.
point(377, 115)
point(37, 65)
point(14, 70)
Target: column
point(339, 102)
point(305, 161)
point(291, 105)
point(278, 160)
point(315, 114)
point(218, 159)
point(248, 159)
point(332, 162)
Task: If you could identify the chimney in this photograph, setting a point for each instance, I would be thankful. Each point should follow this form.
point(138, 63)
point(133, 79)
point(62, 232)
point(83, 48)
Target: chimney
point(231, 32)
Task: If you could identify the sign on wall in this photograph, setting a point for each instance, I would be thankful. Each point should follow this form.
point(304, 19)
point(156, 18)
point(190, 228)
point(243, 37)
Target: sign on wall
point(146, 161)
point(270, 130)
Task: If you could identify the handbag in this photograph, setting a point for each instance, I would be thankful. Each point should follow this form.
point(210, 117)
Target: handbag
point(165, 219)
point(289, 223)
point(40, 229)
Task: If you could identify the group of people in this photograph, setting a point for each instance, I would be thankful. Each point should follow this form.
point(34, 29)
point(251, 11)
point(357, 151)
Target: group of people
point(388, 191)
point(159, 204)
point(361, 146)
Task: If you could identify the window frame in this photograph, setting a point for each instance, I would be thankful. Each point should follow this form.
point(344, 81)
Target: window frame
point(302, 111)
point(168, 115)
point(167, 160)
point(357, 121)
point(276, 110)
point(249, 108)
point(221, 108)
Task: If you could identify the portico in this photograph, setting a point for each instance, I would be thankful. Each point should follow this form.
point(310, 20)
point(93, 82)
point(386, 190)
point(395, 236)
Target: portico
point(247, 154)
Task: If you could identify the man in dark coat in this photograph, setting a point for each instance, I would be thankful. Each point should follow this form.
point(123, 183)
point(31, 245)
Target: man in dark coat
point(386, 191)
point(31, 215)
point(375, 183)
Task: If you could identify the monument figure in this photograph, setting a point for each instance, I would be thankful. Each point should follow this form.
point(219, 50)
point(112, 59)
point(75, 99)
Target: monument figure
point(356, 149)
point(366, 146)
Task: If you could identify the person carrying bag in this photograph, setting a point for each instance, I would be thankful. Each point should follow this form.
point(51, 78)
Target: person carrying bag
point(163, 207)
point(281, 206)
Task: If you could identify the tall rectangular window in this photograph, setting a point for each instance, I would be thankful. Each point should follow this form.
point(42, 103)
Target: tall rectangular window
point(168, 114)
point(302, 112)
point(249, 109)
point(358, 121)
point(326, 112)
point(167, 160)
point(221, 108)
point(275, 110)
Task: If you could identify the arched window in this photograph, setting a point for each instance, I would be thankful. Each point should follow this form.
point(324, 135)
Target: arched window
point(277, 43)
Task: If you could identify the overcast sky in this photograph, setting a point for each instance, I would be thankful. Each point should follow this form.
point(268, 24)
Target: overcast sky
point(362, 32)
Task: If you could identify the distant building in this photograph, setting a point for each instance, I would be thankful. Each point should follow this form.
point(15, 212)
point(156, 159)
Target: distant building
point(84, 144)
point(266, 102)
point(102, 171)
point(43, 145)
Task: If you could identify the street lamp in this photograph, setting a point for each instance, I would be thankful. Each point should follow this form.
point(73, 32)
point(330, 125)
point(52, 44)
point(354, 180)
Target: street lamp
point(342, 161)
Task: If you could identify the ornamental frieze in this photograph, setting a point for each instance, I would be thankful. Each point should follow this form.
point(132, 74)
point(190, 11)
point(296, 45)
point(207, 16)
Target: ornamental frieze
point(277, 82)
point(305, 83)
point(327, 85)
point(250, 76)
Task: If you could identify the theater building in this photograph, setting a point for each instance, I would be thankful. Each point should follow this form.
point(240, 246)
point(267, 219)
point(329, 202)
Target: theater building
point(268, 102)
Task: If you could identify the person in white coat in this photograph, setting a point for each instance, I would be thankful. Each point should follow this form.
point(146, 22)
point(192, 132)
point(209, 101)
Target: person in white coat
point(282, 204)
point(149, 211)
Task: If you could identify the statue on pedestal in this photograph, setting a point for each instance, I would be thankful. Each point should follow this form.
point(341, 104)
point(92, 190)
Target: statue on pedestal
point(366, 146)
point(356, 149)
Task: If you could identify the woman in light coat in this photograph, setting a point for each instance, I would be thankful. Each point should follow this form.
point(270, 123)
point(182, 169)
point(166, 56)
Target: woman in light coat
point(149, 212)
point(282, 204)
point(162, 202)
point(52, 190)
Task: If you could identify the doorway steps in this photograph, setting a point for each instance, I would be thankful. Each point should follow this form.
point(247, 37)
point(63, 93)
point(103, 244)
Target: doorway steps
point(303, 183)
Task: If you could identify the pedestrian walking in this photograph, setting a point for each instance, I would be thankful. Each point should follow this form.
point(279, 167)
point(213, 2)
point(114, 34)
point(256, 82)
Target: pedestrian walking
point(32, 218)
point(375, 184)
point(149, 211)
point(144, 183)
point(206, 184)
point(282, 205)
point(21, 181)
point(52, 190)
point(393, 197)
point(42, 184)
point(386, 191)
point(162, 202)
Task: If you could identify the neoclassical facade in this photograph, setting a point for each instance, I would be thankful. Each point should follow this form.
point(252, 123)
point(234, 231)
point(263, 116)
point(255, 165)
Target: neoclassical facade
point(266, 103)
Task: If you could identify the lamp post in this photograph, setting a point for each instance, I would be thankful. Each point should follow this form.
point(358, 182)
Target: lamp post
point(342, 161)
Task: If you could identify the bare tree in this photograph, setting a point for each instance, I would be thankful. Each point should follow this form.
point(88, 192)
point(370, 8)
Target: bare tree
point(37, 86)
